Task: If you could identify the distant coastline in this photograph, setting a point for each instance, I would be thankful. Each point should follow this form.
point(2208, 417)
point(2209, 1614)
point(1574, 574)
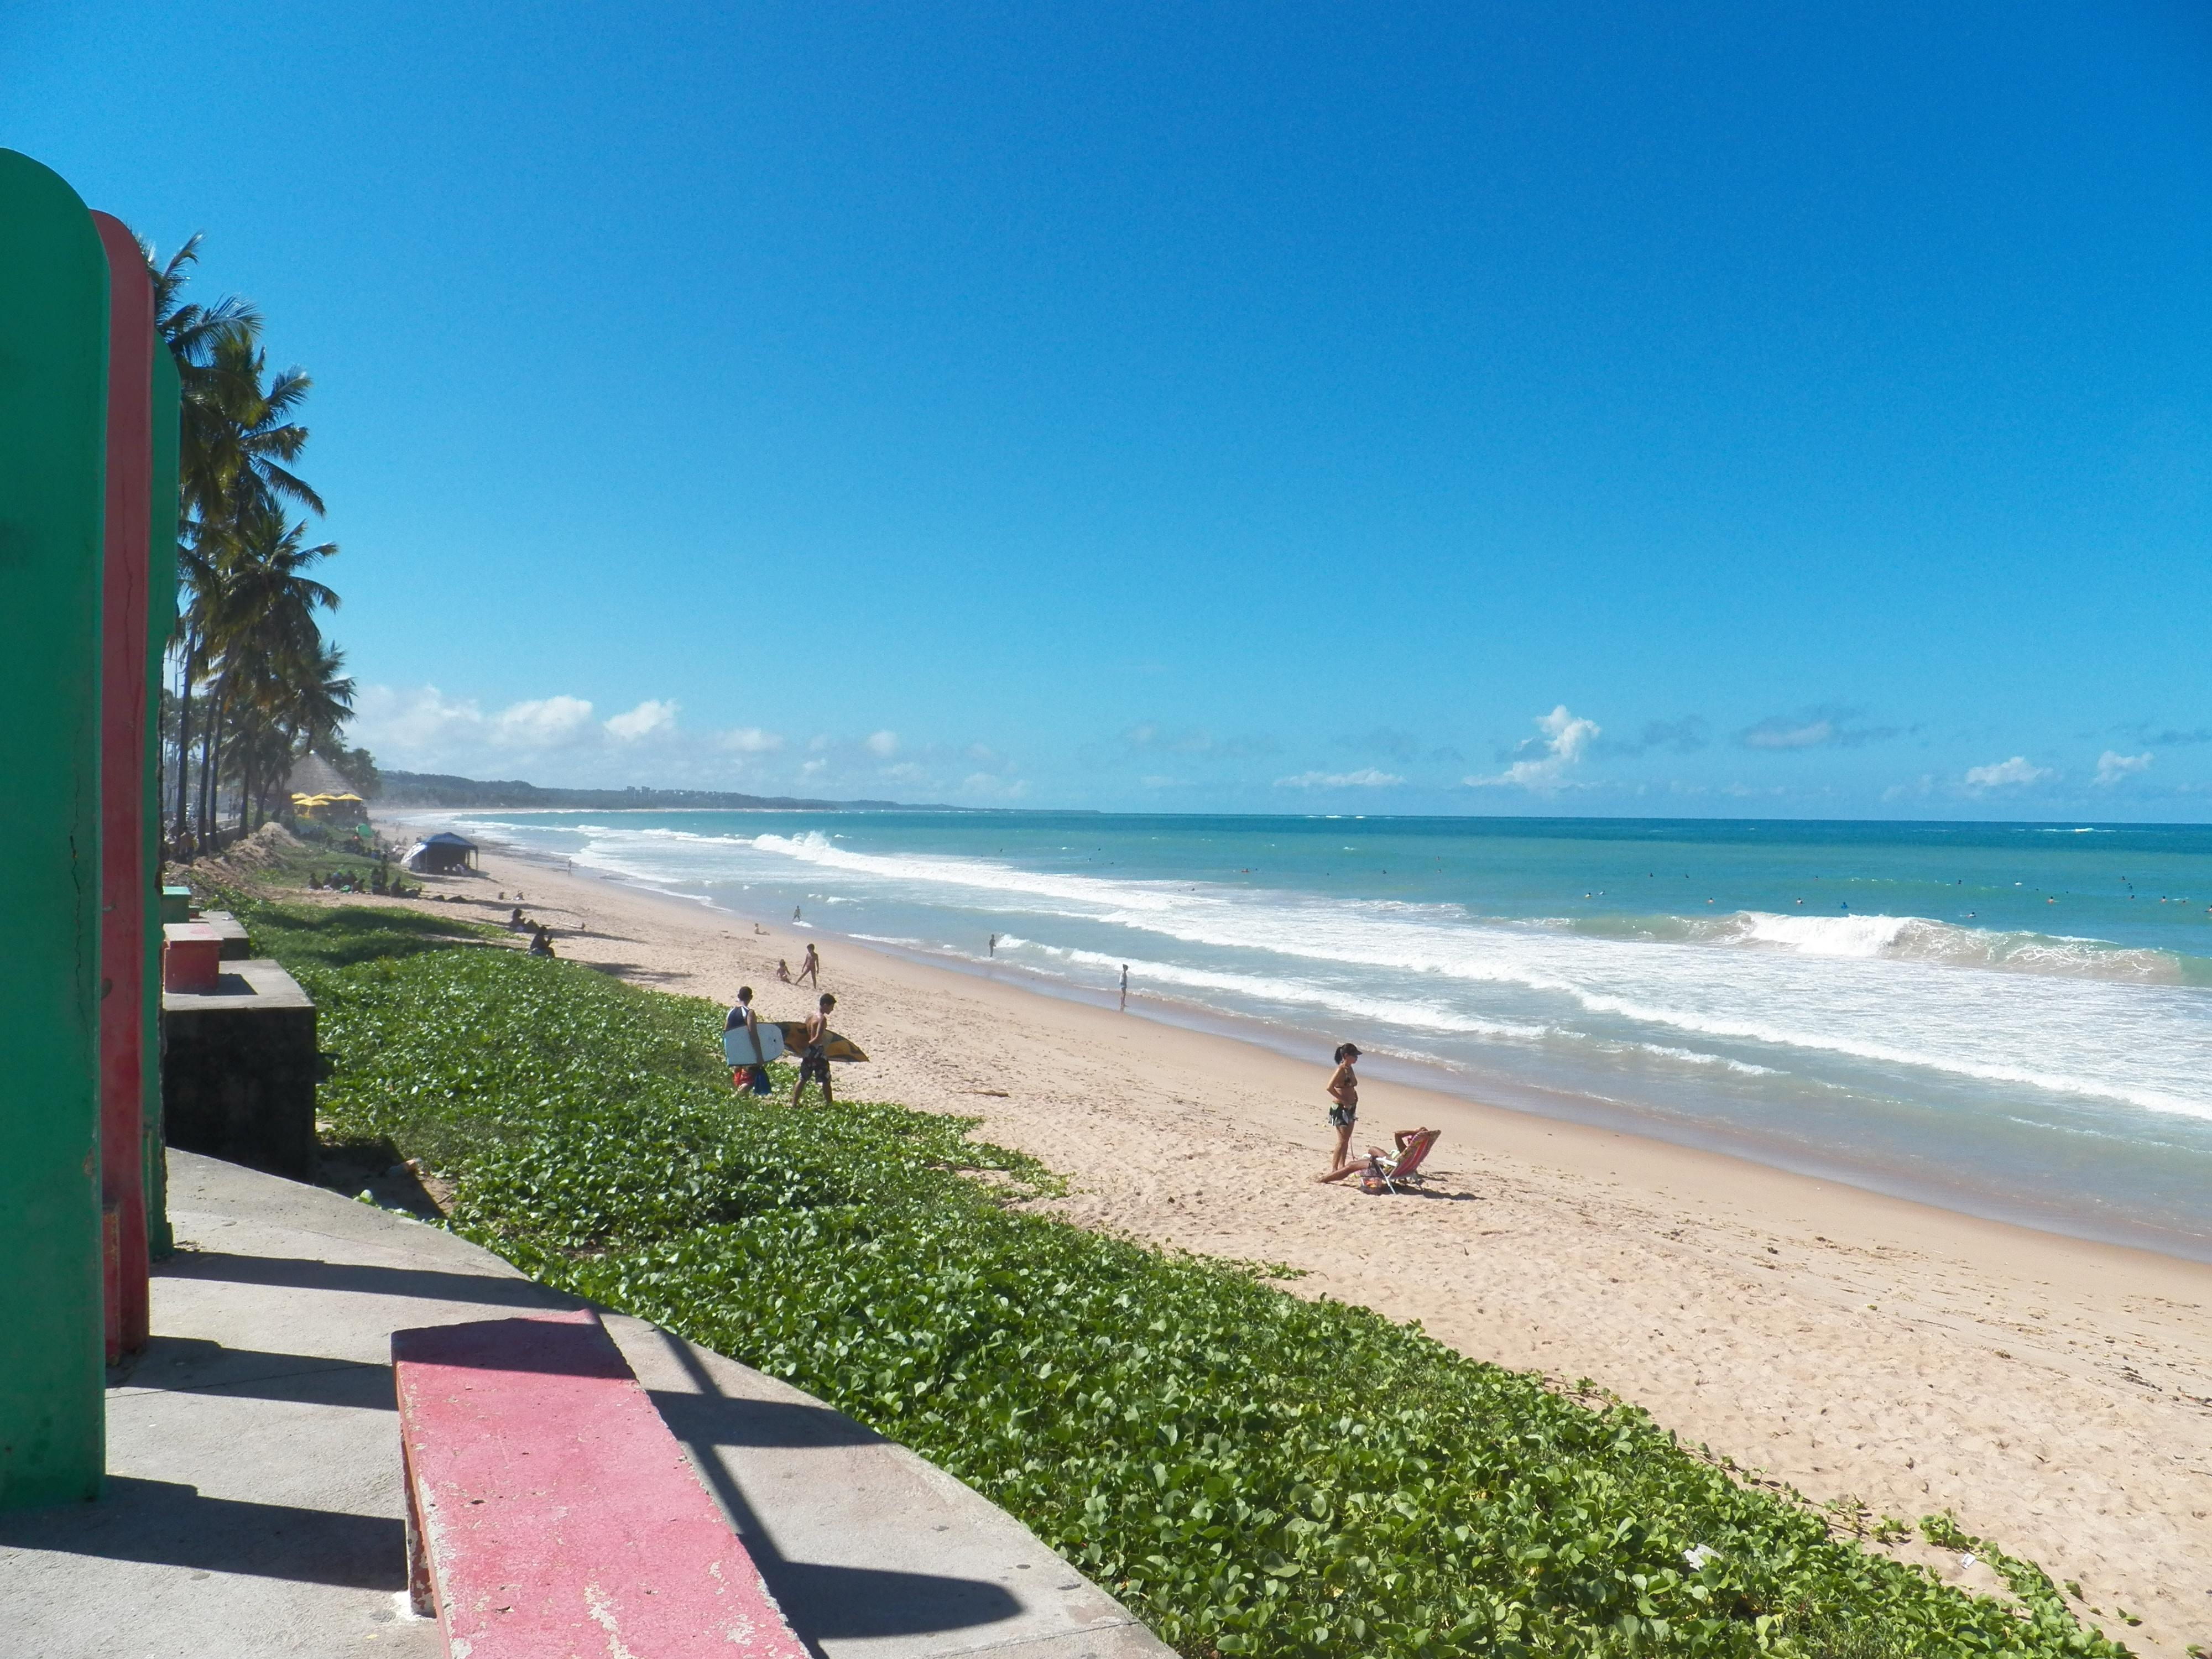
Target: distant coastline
point(441, 789)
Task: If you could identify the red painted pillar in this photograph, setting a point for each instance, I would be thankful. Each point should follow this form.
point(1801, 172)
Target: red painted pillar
point(122, 826)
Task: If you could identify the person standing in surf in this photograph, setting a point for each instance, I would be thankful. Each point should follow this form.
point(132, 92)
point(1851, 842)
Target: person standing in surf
point(1344, 1104)
point(814, 1060)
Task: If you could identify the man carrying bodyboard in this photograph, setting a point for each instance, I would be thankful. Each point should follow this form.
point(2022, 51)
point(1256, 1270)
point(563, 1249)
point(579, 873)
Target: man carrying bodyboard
point(741, 1035)
point(814, 1060)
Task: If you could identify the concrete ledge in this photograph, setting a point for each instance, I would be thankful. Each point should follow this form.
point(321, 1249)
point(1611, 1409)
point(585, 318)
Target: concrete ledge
point(231, 932)
point(254, 1496)
point(239, 1069)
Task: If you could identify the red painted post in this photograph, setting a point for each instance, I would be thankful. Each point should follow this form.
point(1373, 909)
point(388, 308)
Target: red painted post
point(123, 737)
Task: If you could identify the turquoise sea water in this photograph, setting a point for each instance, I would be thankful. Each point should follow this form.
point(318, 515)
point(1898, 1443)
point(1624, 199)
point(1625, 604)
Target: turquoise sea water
point(2010, 1019)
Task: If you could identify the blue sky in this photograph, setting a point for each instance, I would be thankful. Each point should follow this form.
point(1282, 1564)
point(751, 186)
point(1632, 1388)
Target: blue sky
point(1651, 409)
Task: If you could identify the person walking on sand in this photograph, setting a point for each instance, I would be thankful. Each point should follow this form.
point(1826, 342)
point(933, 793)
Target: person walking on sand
point(814, 1058)
point(741, 1017)
point(809, 969)
point(1343, 1108)
point(1124, 987)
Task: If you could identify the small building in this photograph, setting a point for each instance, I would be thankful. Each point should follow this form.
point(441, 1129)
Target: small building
point(440, 854)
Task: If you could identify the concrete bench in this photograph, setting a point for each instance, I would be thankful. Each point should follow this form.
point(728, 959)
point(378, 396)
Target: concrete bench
point(550, 1512)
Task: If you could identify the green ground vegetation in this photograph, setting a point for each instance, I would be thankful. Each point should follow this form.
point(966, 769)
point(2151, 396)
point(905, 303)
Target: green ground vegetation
point(1251, 1471)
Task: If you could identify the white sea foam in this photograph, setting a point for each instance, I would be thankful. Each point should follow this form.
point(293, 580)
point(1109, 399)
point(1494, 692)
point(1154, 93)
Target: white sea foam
point(1856, 993)
point(1146, 974)
point(1919, 939)
point(1877, 998)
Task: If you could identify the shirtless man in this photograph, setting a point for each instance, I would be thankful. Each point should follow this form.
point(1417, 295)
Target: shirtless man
point(810, 969)
point(813, 1062)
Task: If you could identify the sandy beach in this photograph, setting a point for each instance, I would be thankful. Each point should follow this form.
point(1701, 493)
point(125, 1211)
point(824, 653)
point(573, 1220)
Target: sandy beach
point(1884, 1357)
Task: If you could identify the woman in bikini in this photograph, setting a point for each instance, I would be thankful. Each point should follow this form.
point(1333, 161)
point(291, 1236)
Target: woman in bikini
point(1343, 1112)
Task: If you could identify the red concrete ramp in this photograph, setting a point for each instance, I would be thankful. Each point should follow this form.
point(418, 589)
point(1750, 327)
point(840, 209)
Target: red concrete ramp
point(551, 1514)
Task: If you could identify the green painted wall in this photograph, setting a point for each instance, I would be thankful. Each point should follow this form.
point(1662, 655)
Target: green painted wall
point(54, 376)
point(161, 622)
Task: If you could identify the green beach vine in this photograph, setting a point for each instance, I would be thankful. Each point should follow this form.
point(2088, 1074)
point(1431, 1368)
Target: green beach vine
point(1250, 1472)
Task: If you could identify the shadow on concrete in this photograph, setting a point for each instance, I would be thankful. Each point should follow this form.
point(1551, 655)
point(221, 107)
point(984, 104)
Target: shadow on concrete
point(821, 1603)
point(170, 1524)
point(718, 1421)
point(362, 1279)
point(827, 1604)
point(176, 1364)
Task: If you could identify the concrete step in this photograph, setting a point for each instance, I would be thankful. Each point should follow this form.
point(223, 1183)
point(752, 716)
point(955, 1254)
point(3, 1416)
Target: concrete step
point(254, 1498)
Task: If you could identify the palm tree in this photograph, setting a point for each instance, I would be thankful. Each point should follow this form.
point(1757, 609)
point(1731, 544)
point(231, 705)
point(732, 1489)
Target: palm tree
point(240, 438)
point(194, 334)
point(275, 677)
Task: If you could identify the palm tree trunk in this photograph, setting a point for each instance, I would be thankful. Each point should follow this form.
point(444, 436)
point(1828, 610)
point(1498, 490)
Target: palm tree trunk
point(184, 737)
point(210, 755)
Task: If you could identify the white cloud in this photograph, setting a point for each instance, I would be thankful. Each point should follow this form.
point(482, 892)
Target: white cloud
point(812, 767)
point(2112, 767)
point(905, 771)
point(413, 720)
point(1195, 741)
point(750, 740)
point(1366, 778)
point(990, 783)
point(558, 739)
point(1567, 737)
point(2005, 775)
point(1811, 735)
point(884, 745)
point(544, 723)
point(650, 716)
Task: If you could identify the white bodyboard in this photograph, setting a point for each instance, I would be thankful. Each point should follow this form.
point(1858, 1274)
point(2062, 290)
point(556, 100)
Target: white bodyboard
point(737, 1046)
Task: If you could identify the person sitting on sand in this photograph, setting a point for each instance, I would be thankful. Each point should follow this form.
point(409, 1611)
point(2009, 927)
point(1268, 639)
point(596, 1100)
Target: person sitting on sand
point(1369, 1169)
point(541, 942)
point(814, 1058)
point(515, 924)
point(810, 970)
point(783, 970)
point(1344, 1111)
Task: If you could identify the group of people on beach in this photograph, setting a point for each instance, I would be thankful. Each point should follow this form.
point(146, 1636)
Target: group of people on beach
point(1343, 1088)
point(814, 1050)
point(541, 936)
point(1375, 1168)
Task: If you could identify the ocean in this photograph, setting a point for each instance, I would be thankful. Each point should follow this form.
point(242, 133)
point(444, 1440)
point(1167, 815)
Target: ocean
point(2013, 1020)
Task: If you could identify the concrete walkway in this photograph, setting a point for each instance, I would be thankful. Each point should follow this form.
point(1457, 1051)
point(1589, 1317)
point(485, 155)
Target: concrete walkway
point(253, 1495)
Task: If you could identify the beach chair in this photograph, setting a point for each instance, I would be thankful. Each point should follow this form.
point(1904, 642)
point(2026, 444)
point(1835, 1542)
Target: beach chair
point(1406, 1165)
